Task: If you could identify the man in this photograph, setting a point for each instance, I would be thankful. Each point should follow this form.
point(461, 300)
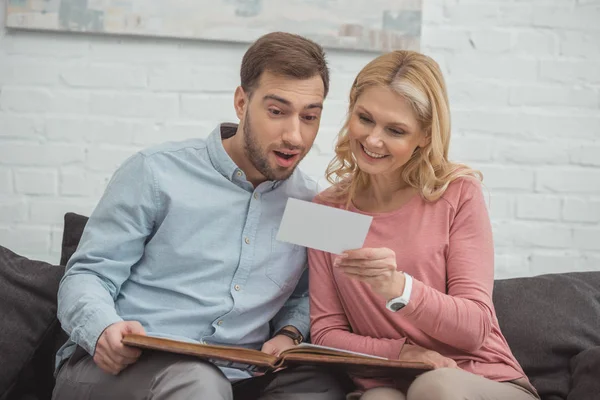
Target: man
point(182, 244)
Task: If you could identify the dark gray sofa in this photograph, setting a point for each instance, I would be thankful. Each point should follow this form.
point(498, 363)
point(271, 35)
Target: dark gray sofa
point(552, 323)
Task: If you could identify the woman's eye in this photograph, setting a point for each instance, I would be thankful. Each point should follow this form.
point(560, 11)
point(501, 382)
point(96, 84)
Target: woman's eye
point(365, 119)
point(396, 132)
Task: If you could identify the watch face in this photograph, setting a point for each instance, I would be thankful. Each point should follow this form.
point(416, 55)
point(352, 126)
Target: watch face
point(396, 306)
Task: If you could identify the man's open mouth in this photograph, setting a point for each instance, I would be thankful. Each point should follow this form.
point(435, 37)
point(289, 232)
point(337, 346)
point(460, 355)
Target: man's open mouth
point(286, 158)
point(285, 155)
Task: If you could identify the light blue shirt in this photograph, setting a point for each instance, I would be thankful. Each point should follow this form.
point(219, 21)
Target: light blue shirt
point(183, 243)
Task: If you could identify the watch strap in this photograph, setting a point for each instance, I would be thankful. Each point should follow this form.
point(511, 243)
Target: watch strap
point(296, 337)
point(400, 302)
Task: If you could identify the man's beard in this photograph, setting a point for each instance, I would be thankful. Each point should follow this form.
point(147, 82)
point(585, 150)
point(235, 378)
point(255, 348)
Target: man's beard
point(259, 157)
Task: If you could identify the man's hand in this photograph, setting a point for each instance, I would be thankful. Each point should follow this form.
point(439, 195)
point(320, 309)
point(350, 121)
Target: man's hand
point(277, 344)
point(411, 352)
point(111, 355)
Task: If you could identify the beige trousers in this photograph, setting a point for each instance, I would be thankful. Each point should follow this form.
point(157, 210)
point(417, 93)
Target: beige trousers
point(165, 376)
point(450, 384)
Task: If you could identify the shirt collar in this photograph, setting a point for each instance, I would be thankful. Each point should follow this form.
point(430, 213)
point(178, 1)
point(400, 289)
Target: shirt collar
point(221, 160)
point(218, 156)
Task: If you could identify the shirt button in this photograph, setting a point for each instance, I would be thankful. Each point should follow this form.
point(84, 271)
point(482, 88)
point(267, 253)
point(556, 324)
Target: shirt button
point(256, 196)
point(247, 240)
point(237, 287)
point(239, 173)
point(220, 323)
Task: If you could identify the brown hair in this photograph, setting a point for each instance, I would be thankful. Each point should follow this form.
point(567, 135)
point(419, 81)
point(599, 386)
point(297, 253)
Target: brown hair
point(283, 54)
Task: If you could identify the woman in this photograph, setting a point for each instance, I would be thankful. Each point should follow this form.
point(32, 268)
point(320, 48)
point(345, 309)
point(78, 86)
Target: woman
point(421, 287)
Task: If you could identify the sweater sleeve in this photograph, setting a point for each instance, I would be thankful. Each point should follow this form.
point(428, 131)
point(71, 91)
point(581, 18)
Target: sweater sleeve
point(329, 324)
point(463, 317)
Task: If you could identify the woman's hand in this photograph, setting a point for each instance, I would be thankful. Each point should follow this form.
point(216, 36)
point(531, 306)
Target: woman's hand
point(374, 266)
point(411, 352)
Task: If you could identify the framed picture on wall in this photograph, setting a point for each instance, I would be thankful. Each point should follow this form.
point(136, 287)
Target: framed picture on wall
point(370, 25)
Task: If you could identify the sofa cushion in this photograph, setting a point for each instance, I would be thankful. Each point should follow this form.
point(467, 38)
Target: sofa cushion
point(73, 229)
point(28, 291)
point(585, 374)
point(547, 321)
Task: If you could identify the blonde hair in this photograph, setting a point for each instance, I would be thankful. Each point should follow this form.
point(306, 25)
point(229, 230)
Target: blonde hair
point(418, 79)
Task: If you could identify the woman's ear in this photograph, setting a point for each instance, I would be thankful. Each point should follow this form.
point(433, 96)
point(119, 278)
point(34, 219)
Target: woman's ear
point(425, 139)
point(240, 102)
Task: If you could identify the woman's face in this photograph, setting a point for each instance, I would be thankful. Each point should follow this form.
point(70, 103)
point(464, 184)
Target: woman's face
point(383, 132)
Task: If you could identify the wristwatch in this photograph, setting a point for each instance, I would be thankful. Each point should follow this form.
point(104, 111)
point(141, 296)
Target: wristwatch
point(296, 337)
point(398, 303)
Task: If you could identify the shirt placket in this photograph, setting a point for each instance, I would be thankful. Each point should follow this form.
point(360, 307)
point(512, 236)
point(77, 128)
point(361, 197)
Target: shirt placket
point(247, 253)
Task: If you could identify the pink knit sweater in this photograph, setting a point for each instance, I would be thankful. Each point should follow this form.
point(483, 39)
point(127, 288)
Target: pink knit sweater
point(447, 247)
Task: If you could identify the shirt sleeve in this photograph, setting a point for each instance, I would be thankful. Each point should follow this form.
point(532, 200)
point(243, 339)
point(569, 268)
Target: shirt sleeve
point(463, 316)
point(329, 325)
point(112, 242)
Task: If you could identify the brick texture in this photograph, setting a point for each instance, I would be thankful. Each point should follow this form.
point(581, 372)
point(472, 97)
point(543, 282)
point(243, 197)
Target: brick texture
point(523, 80)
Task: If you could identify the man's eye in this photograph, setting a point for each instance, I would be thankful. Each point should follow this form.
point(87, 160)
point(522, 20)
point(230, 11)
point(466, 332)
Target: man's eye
point(275, 112)
point(310, 117)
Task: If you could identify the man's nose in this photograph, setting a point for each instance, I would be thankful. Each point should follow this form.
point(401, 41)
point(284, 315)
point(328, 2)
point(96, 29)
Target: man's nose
point(292, 134)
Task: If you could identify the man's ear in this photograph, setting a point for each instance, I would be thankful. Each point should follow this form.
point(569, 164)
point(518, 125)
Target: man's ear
point(240, 102)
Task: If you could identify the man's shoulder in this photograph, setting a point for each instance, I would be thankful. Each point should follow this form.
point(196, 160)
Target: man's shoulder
point(173, 147)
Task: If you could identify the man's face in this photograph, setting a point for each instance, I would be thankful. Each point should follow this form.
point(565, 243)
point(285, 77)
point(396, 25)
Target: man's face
point(279, 122)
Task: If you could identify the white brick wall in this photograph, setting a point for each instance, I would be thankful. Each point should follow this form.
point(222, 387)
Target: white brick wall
point(524, 83)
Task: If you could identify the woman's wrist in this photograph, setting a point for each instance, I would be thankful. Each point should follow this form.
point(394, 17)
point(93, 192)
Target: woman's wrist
point(397, 287)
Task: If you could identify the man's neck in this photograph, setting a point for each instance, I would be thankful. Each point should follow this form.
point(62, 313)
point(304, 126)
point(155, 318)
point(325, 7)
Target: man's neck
point(234, 147)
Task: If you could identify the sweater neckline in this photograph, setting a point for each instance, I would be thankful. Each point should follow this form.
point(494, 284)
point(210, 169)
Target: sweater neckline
point(399, 210)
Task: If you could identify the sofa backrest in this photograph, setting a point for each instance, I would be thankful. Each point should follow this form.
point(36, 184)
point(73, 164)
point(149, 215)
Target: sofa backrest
point(548, 321)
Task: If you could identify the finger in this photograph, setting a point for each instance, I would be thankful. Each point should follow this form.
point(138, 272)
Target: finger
point(359, 278)
point(115, 360)
point(128, 352)
point(353, 276)
point(384, 263)
point(116, 347)
point(106, 355)
point(445, 362)
point(368, 253)
point(134, 327)
point(375, 266)
point(123, 360)
point(119, 359)
point(438, 363)
point(270, 348)
point(267, 348)
point(365, 272)
point(106, 364)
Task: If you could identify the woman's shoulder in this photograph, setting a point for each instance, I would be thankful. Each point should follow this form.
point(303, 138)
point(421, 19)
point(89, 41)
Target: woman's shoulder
point(461, 190)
